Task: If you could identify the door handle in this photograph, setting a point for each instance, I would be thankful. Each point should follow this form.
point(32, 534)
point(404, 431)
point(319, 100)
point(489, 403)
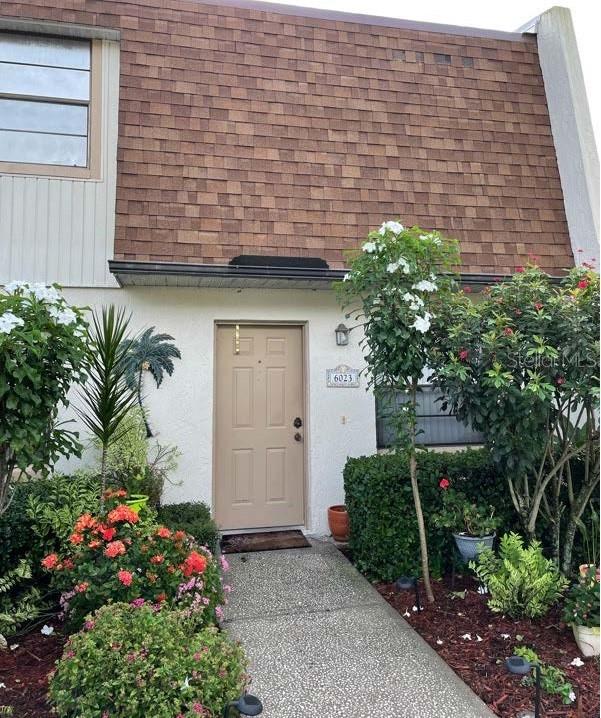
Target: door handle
point(298, 437)
point(297, 423)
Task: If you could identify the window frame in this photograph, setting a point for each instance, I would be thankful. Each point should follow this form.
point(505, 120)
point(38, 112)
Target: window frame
point(93, 169)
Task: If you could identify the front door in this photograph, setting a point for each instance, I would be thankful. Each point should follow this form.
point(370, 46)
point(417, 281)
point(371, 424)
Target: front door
point(260, 427)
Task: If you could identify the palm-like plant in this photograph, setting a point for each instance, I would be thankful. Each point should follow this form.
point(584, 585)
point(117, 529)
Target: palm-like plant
point(107, 396)
point(149, 352)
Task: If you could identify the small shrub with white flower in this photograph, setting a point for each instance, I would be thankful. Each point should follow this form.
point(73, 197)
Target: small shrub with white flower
point(394, 288)
point(42, 352)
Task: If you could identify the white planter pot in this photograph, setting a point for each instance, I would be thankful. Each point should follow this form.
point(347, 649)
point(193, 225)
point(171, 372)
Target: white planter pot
point(587, 639)
point(470, 546)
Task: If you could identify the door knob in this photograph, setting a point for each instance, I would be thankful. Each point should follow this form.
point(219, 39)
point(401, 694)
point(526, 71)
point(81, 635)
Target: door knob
point(298, 437)
point(297, 423)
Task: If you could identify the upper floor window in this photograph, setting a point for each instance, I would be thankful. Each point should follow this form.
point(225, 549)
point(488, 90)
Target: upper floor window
point(46, 93)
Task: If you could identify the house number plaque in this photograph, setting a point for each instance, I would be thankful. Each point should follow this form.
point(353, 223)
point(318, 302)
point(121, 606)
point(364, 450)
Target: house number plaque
point(342, 377)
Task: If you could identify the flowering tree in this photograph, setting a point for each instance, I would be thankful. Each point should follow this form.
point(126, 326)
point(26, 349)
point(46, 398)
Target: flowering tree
point(42, 351)
point(522, 366)
point(395, 292)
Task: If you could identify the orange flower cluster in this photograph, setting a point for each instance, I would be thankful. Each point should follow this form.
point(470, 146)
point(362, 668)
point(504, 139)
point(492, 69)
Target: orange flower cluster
point(195, 563)
point(115, 493)
point(126, 577)
point(163, 532)
point(114, 548)
point(123, 513)
point(85, 521)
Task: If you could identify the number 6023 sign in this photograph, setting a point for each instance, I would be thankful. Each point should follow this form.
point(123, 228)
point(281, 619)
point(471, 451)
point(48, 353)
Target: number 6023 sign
point(342, 377)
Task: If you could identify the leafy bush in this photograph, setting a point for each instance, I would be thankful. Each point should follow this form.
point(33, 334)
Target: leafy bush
point(118, 557)
point(383, 530)
point(19, 601)
point(134, 663)
point(193, 518)
point(521, 581)
point(582, 602)
point(461, 515)
point(553, 679)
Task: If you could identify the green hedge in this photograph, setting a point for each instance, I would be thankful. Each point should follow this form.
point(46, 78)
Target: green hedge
point(194, 518)
point(383, 529)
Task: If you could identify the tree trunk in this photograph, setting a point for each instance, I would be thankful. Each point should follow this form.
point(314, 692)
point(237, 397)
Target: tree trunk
point(568, 545)
point(139, 395)
point(421, 527)
point(103, 477)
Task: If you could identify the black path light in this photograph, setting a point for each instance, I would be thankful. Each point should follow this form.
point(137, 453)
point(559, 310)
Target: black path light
point(521, 667)
point(246, 705)
point(405, 583)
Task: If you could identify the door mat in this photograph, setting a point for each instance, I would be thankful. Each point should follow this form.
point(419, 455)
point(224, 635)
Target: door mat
point(267, 541)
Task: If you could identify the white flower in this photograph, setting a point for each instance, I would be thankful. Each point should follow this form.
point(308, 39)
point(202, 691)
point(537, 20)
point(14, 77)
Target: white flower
point(425, 285)
point(8, 321)
point(394, 227)
point(577, 662)
point(467, 636)
point(415, 302)
point(2, 685)
point(482, 590)
point(12, 287)
point(369, 247)
point(505, 636)
point(479, 638)
point(47, 630)
point(14, 646)
point(63, 316)
point(414, 609)
point(186, 683)
point(572, 696)
point(439, 642)
point(422, 324)
point(346, 277)
point(401, 263)
point(406, 614)
point(45, 294)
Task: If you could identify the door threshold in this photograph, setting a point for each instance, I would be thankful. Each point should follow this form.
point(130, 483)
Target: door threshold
point(262, 530)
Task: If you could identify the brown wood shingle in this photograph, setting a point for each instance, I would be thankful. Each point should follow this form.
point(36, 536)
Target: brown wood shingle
point(248, 131)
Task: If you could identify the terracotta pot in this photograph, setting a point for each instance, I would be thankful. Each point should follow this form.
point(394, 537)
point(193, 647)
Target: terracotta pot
point(338, 522)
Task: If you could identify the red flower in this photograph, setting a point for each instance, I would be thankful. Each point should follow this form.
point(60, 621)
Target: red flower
point(560, 380)
point(161, 597)
point(82, 587)
point(114, 548)
point(152, 577)
point(583, 284)
point(126, 577)
point(519, 270)
point(68, 564)
point(538, 306)
point(508, 331)
point(113, 494)
point(163, 532)
point(444, 483)
point(123, 513)
point(463, 354)
point(179, 535)
point(467, 290)
point(85, 521)
point(107, 533)
point(195, 563)
point(159, 558)
point(50, 561)
point(75, 538)
point(95, 543)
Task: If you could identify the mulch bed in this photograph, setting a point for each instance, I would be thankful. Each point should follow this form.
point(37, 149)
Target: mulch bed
point(480, 663)
point(24, 672)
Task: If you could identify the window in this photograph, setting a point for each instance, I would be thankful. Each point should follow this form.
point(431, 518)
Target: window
point(45, 100)
point(438, 428)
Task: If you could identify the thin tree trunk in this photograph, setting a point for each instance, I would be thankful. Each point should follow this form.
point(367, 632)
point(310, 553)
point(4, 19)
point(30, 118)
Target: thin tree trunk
point(103, 477)
point(139, 395)
point(421, 527)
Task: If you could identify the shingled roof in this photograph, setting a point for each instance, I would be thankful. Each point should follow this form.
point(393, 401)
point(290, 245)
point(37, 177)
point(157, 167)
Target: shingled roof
point(251, 131)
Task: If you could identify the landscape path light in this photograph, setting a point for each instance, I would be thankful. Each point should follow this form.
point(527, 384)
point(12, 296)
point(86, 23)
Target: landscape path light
point(405, 583)
point(521, 667)
point(246, 705)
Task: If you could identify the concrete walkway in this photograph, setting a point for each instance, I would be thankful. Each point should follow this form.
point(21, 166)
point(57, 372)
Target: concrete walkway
point(324, 644)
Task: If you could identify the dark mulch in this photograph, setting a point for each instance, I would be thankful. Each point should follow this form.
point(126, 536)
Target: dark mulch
point(263, 541)
point(480, 663)
point(24, 671)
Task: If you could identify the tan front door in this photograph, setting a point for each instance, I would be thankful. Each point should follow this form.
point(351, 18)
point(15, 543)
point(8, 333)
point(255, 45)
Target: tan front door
point(259, 466)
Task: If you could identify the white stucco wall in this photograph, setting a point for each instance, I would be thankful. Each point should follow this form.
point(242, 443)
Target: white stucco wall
point(572, 129)
point(341, 422)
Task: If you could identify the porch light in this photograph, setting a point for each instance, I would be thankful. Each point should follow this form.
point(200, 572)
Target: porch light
point(405, 583)
point(520, 666)
point(246, 705)
point(341, 333)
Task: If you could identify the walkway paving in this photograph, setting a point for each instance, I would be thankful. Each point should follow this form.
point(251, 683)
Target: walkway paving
point(324, 644)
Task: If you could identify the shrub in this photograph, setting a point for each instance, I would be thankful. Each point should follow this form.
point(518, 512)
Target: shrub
point(383, 530)
point(20, 602)
point(461, 515)
point(134, 663)
point(582, 602)
point(193, 518)
point(118, 557)
point(521, 581)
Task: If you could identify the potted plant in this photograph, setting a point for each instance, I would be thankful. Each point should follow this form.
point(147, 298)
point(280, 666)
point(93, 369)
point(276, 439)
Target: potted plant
point(581, 610)
point(473, 525)
point(338, 522)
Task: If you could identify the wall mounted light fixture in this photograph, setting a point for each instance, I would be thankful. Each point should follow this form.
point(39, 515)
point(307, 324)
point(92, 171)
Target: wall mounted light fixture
point(341, 333)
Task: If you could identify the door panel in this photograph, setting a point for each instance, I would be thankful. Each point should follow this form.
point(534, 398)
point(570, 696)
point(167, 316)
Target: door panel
point(259, 465)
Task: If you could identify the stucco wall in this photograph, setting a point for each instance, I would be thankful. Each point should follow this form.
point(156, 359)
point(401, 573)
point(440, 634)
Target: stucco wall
point(341, 422)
